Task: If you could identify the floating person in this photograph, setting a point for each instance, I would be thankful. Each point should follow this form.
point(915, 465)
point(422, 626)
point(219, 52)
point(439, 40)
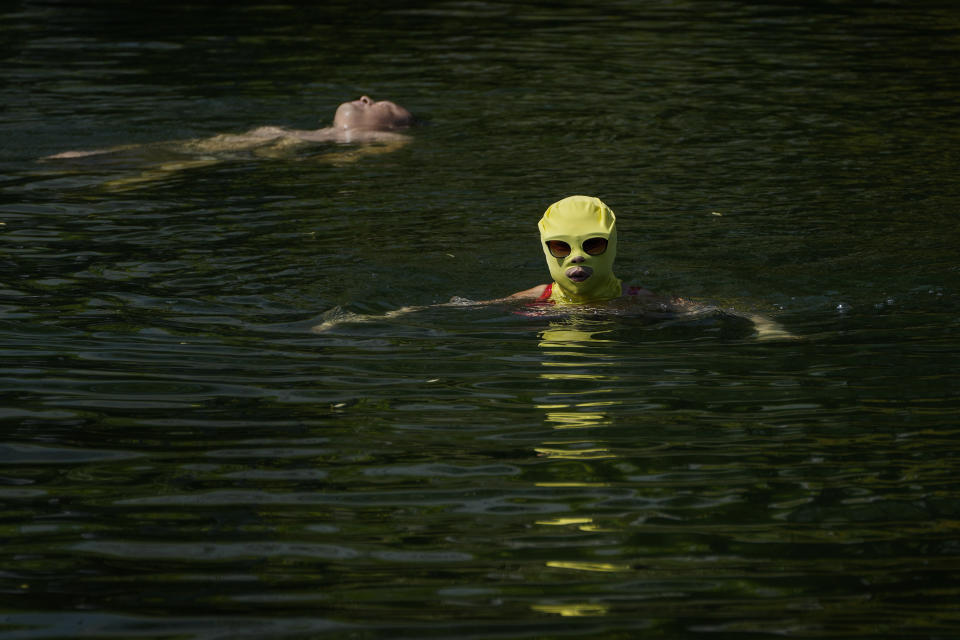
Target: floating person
point(578, 236)
point(375, 126)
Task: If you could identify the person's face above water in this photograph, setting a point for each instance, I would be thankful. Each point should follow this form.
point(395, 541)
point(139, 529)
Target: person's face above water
point(369, 115)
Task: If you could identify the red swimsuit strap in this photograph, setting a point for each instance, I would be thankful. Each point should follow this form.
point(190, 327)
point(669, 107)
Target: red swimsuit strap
point(546, 293)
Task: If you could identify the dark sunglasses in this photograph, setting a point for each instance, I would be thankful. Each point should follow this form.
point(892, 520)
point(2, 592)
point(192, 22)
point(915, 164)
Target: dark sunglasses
point(591, 246)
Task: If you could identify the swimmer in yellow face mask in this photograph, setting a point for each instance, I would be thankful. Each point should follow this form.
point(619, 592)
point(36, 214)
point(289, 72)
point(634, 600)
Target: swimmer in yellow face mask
point(579, 239)
point(578, 236)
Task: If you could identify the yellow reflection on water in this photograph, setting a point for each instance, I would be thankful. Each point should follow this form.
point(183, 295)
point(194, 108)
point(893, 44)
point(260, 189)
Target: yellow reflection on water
point(603, 567)
point(565, 521)
point(598, 528)
point(571, 346)
point(576, 362)
point(583, 524)
point(570, 333)
point(572, 483)
point(568, 376)
point(595, 453)
point(576, 358)
point(580, 609)
point(575, 420)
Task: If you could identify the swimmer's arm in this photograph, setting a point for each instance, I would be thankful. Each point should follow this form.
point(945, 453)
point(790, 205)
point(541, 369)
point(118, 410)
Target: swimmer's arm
point(66, 155)
point(656, 303)
point(533, 293)
point(766, 328)
point(456, 301)
point(527, 294)
point(222, 142)
point(336, 316)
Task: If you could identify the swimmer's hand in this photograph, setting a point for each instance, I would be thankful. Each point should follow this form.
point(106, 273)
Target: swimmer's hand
point(768, 330)
point(337, 315)
point(76, 154)
point(460, 301)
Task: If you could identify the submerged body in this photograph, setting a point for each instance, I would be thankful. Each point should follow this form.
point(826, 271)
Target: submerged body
point(361, 120)
point(374, 126)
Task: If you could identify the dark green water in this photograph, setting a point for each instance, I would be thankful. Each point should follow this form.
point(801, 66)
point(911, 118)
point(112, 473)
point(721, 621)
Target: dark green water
point(181, 457)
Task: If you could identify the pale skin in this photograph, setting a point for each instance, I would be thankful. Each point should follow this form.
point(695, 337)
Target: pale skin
point(361, 120)
point(376, 125)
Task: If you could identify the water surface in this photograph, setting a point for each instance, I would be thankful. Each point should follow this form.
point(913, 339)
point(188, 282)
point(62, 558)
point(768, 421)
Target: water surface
point(181, 455)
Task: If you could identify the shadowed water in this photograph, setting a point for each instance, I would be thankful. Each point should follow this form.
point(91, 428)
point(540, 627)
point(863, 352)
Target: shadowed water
point(182, 456)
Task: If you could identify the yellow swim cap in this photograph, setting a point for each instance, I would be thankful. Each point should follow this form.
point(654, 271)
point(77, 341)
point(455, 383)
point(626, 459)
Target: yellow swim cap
point(579, 237)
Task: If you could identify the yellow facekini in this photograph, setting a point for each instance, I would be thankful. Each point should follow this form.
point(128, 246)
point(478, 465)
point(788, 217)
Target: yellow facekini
point(574, 220)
